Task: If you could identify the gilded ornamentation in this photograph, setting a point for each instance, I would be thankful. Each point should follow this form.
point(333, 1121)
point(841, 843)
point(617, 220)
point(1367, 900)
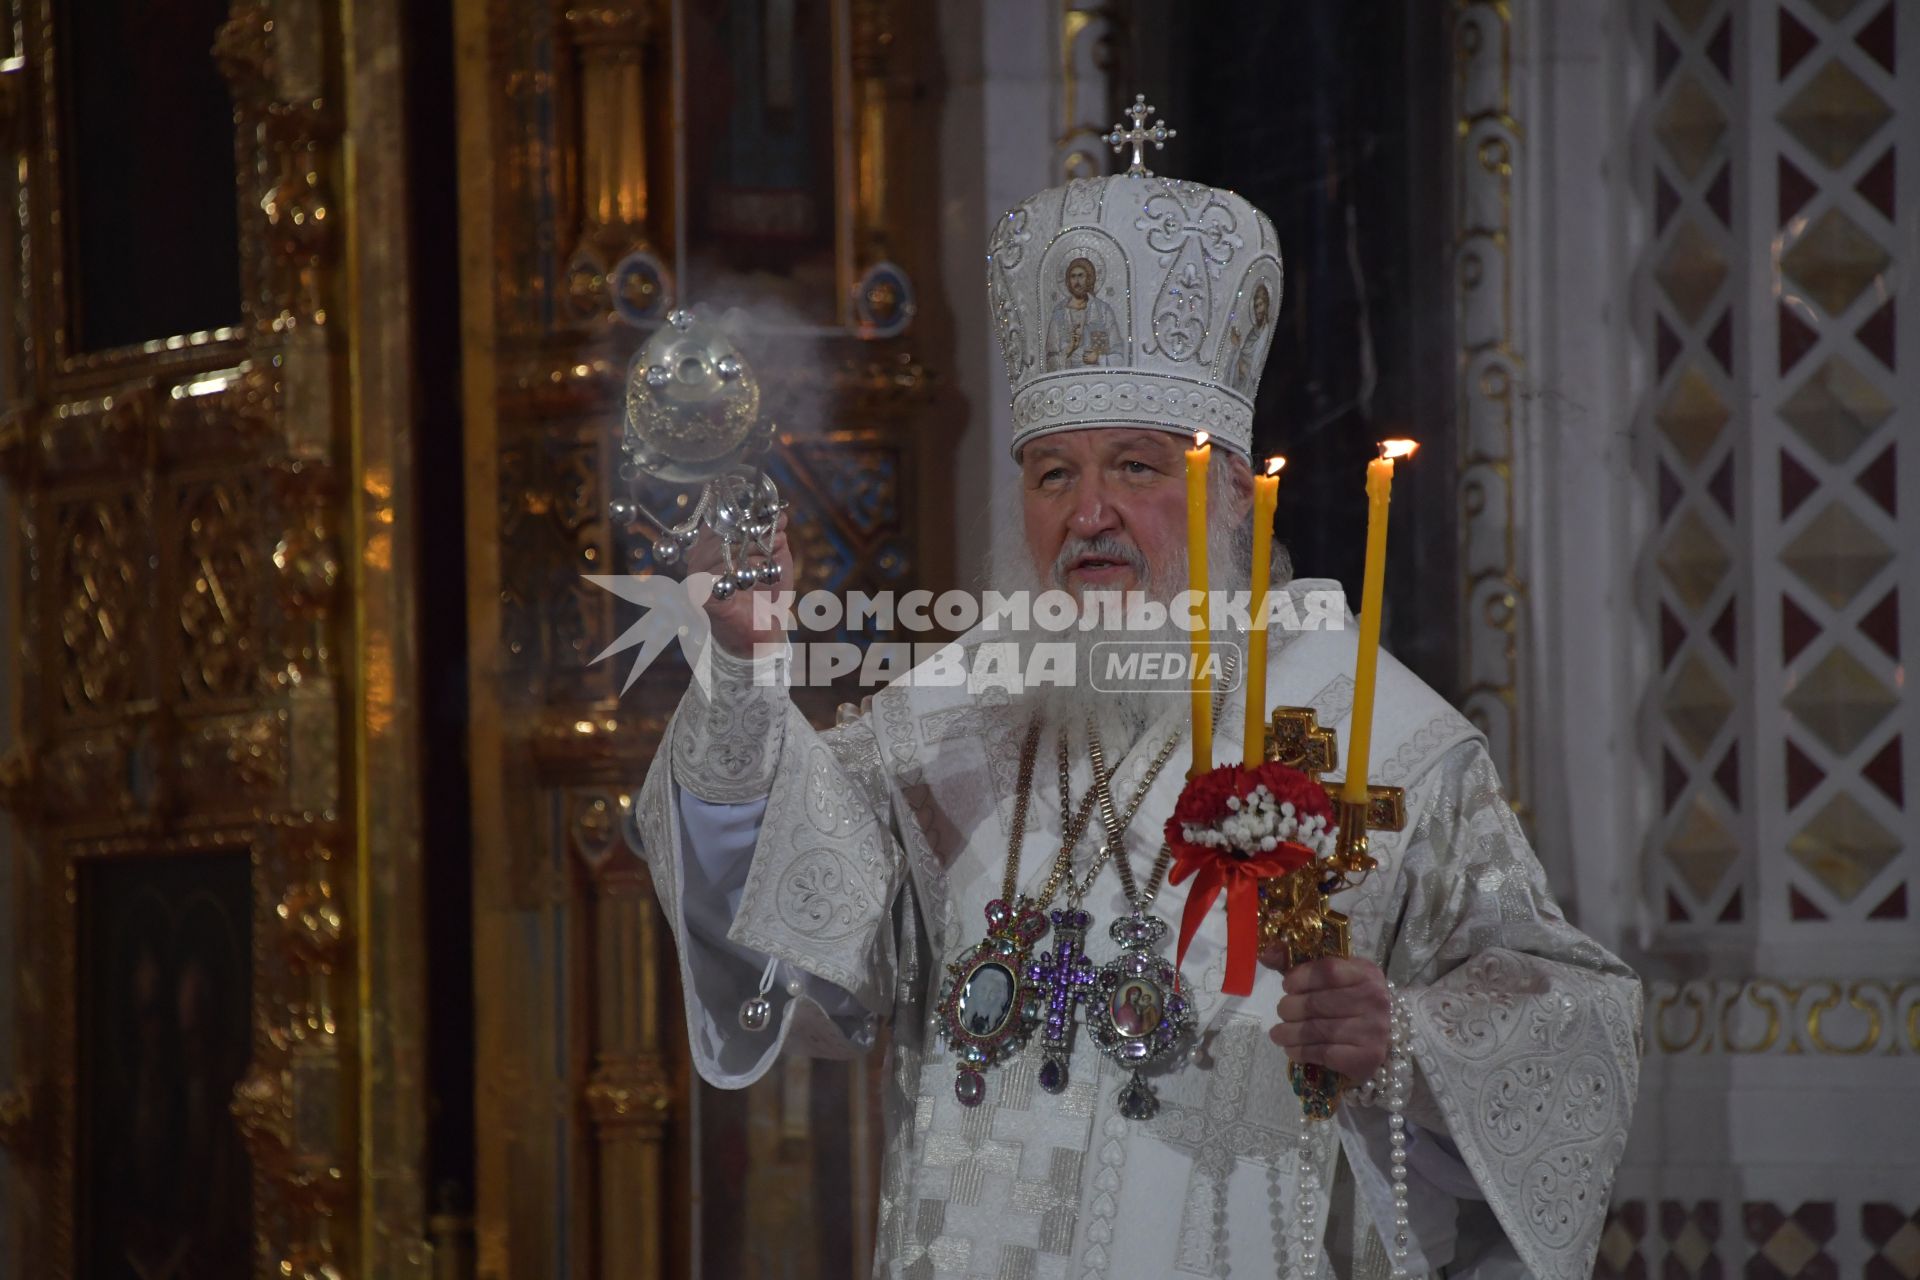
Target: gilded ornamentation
point(1773, 1016)
point(634, 1095)
point(218, 611)
point(265, 1116)
point(293, 237)
point(231, 760)
point(101, 603)
point(1489, 147)
point(307, 562)
point(243, 48)
point(869, 45)
point(1080, 149)
point(621, 25)
point(594, 826)
point(611, 38)
point(90, 772)
point(296, 207)
point(16, 1119)
point(553, 197)
point(13, 98)
point(313, 925)
point(19, 792)
point(180, 515)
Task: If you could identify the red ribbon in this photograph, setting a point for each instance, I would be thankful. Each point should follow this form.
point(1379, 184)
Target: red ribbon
point(1240, 877)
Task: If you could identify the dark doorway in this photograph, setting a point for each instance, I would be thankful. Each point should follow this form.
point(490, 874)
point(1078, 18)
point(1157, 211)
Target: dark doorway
point(1335, 119)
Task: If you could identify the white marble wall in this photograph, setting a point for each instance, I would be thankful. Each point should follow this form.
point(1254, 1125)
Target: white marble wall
point(1779, 1104)
point(1575, 512)
point(1002, 60)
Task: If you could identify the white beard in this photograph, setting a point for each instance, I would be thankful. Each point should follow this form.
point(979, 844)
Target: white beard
point(1122, 714)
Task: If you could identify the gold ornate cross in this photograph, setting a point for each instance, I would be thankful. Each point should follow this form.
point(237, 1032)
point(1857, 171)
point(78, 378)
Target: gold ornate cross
point(1139, 136)
point(1296, 911)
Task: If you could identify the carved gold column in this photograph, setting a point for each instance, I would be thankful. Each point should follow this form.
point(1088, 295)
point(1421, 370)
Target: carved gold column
point(611, 39)
point(332, 1107)
point(294, 1106)
point(631, 1089)
point(872, 38)
point(389, 892)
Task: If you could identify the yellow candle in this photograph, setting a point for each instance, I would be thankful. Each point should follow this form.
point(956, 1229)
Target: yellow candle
point(1266, 494)
point(1197, 581)
point(1360, 736)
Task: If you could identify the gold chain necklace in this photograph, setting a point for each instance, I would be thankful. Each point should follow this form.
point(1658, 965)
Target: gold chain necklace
point(1073, 824)
point(1115, 823)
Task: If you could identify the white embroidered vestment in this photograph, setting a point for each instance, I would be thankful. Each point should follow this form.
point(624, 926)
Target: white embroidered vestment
point(883, 839)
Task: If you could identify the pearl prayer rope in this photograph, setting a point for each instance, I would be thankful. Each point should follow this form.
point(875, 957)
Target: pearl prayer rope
point(1395, 1080)
point(1306, 1258)
point(1399, 1085)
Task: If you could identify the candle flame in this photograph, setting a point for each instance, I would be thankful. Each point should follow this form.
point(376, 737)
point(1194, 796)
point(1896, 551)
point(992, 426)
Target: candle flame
point(1274, 464)
point(1398, 448)
point(1200, 440)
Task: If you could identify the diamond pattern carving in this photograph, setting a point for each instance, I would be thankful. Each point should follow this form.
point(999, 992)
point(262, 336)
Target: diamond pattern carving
point(1688, 13)
point(1693, 415)
point(1840, 701)
point(1834, 261)
point(1620, 1243)
point(1692, 1232)
point(1690, 126)
point(1844, 847)
point(1836, 554)
point(1894, 1234)
point(1697, 706)
point(1694, 561)
point(1791, 1246)
point(1836, 409)
point(1692, 271)
point(1834, 114)
point(1702, 850)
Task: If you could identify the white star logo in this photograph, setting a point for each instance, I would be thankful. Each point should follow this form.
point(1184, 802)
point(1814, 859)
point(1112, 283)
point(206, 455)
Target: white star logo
point(674, 611)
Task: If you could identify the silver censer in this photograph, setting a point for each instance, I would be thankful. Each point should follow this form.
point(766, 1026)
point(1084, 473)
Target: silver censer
point(693, 417)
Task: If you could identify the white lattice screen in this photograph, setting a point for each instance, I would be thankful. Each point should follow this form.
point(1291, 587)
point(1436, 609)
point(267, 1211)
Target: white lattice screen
point(1747, 178)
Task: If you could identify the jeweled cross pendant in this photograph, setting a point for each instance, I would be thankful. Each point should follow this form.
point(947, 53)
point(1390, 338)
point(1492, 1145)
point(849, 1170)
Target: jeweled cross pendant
point(1066, 977)
point(1139, 136)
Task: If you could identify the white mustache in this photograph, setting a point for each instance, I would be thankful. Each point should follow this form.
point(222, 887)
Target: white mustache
point(1104, 547)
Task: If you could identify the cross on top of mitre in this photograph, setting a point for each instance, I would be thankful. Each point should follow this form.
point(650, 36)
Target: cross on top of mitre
point(1139, 136)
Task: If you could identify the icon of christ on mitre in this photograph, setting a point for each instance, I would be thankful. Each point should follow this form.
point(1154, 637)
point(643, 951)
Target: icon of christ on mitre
point(989, 883)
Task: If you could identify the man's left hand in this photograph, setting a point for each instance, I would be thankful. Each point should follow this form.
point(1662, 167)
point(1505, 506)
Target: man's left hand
point(1336, 1013)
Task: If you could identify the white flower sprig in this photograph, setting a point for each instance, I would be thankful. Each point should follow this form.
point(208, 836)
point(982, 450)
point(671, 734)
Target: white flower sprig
point(1258, 825)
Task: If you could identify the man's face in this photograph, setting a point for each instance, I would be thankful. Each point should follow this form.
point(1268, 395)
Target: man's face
point(1106, 508)
point(1079, 282)
point(1261, 304)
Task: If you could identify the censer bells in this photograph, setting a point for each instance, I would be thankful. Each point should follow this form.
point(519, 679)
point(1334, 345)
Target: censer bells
point(693, 417)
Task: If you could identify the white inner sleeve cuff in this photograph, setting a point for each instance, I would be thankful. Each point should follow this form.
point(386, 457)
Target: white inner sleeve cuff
point(720, 840)
point(1432, 1210)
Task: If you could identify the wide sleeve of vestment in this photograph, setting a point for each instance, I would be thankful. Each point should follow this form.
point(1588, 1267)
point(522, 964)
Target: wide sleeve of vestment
point(1525, 1032)
point(743, 771)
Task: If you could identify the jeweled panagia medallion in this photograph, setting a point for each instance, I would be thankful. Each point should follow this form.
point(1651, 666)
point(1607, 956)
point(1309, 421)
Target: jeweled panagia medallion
point(991, 1006)
point(1137, 1012)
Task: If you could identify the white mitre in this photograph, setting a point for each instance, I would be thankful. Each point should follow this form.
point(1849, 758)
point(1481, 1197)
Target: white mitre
point(1173, 327)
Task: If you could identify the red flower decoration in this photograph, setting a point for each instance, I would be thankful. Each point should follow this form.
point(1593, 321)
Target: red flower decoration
point(1203, 802)
point(1222, 865)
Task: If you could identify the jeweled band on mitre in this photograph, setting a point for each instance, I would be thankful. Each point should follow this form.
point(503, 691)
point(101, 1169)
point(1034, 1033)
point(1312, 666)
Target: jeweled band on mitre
point(1135, 398)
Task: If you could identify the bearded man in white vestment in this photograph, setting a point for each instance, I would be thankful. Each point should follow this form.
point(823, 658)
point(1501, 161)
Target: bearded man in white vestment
point(835, 874)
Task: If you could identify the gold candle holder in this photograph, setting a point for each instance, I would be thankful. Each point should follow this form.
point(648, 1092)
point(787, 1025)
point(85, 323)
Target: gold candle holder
point(1297, 919)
